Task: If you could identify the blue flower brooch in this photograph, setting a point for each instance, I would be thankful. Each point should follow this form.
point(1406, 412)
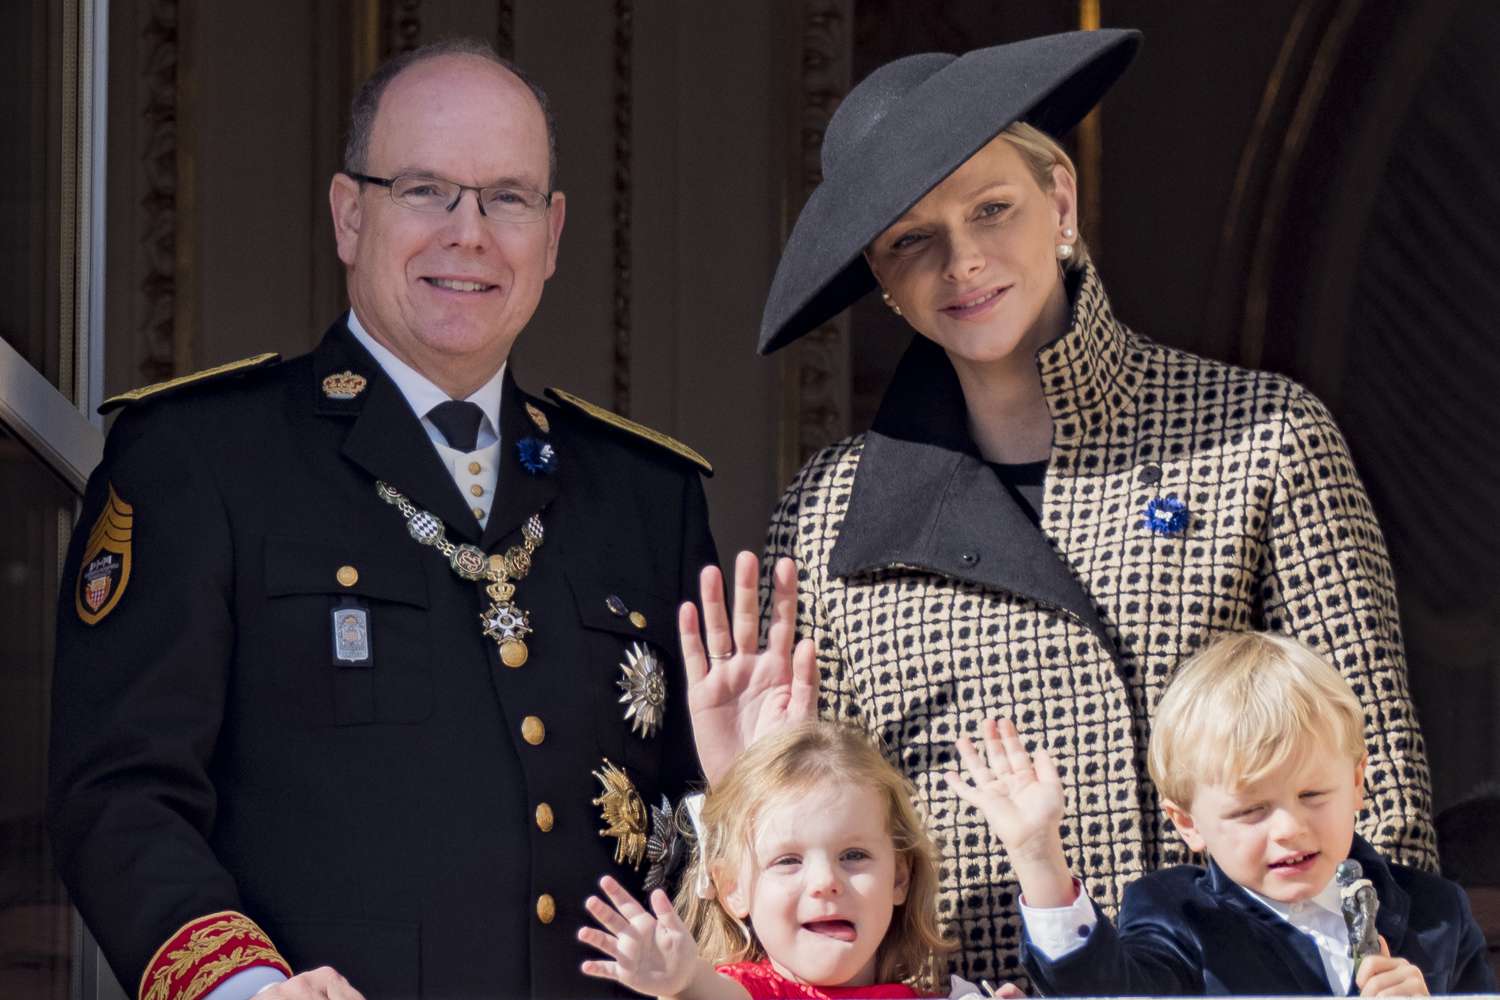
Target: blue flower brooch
point(1165, 515)
point(536, 456)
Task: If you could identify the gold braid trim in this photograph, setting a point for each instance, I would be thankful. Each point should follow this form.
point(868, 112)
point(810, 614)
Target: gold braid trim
point(631, 427)
point(146, 391)
point(203, 953)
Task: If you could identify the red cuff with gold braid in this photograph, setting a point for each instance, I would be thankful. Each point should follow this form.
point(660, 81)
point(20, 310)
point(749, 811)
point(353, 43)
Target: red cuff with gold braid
point(205, 952)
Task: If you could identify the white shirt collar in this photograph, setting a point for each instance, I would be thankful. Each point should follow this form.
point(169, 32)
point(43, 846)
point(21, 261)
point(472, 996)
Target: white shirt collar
point(1321, 918)
point(422, 394)
point(1328, 899)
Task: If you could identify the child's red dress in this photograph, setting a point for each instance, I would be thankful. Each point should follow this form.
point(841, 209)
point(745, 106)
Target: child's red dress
point(763, 982)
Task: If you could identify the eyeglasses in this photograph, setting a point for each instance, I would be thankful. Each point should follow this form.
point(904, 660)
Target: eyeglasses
point(422, 193)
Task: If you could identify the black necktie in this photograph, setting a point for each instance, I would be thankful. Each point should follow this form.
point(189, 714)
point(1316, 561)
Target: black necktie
point(458, 420)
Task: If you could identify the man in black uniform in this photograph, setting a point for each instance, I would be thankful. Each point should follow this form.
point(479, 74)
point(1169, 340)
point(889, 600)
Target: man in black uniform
point(367, 659)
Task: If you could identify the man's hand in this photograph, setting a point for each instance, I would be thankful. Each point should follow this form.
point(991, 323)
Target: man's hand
point(653, 954)
point(1384, 976)
point(1023, 802)
point(319, 984)
point(737, 694)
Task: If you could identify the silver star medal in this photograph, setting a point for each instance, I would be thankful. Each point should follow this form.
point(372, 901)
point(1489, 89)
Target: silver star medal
point(664, 847)
point(644, 682)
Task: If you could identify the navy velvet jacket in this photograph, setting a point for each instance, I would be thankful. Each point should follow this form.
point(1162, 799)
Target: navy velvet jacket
point(1187, 931)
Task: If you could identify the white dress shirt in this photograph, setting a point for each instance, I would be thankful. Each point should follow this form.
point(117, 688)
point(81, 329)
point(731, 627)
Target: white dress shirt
point(1322, 919)
point(1058, 931)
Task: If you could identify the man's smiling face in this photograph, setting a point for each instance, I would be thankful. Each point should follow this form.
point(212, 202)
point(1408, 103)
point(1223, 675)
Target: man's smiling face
point(449, 291)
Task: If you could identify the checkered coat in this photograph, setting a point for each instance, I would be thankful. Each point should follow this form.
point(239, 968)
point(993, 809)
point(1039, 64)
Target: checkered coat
point(935, 602)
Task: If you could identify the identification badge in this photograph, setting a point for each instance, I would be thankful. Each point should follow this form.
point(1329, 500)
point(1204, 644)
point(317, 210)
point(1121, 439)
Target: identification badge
point(351, 635)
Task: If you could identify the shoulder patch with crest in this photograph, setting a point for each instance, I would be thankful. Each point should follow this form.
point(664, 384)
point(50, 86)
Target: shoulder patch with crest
point(105, 568)
point(160, 388)
point(631, 427)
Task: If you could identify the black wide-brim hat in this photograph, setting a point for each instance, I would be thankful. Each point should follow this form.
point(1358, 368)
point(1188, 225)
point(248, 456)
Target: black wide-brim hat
point(901, 131)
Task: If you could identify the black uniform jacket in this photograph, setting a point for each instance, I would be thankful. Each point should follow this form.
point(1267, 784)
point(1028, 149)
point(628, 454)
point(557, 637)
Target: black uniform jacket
point(1185, 931)
point(390, 820)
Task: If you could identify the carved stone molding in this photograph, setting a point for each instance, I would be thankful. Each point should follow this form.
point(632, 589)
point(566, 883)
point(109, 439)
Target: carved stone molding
point(1294, 90)
point(156, 348)
point(815, 370)
point(624, 42)
point(1089, 145)
point(505, 32)
point(404, 27)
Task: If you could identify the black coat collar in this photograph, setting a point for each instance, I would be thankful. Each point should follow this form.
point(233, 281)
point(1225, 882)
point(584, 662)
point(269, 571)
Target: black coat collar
point(923, 498)
point(1300, 952)
point(386, 439)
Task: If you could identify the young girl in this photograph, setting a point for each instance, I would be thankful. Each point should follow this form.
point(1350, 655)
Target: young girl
point(815, 878)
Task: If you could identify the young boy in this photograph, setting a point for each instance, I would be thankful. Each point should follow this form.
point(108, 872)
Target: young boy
point(1258, 753)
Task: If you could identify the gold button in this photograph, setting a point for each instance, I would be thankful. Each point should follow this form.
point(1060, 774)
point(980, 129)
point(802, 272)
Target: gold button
point(477, 490)
point(637, 619)
point(479, 513)
point(475, 468)
point(544, 818)
point(546, 908)
point(347, 576)
point(532, 730)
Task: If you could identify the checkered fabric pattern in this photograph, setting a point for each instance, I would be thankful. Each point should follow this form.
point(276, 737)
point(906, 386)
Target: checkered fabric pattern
point(1280, 536)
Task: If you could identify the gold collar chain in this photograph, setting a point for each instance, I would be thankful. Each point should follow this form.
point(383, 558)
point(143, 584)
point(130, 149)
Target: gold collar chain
point(503, 620)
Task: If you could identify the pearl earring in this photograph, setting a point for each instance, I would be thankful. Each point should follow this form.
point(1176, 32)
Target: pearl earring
point(886, 298)
point(1064, 251)
point(1067, 232)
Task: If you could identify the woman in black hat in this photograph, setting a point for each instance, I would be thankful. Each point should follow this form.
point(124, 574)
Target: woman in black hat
point(1051, 510)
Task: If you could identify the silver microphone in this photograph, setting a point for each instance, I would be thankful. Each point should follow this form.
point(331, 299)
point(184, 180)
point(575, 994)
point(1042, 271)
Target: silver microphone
point(1359, 903)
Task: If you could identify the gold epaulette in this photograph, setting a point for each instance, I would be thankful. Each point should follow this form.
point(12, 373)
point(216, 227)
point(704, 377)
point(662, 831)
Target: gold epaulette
point(631, 427)
point(156, 389)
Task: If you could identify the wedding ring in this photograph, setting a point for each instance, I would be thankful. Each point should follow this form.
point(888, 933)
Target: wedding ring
point(716, 657)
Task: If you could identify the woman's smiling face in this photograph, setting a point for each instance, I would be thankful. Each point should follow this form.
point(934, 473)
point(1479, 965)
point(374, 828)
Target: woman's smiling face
point(973, 266)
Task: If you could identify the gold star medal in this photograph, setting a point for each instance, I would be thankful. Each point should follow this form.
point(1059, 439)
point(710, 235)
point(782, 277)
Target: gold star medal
point(645, 685)
point(624, 815)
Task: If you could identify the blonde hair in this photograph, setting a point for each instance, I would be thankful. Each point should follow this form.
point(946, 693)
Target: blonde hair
point(789, 764)
point(1040, 152)
point(1244, 706)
